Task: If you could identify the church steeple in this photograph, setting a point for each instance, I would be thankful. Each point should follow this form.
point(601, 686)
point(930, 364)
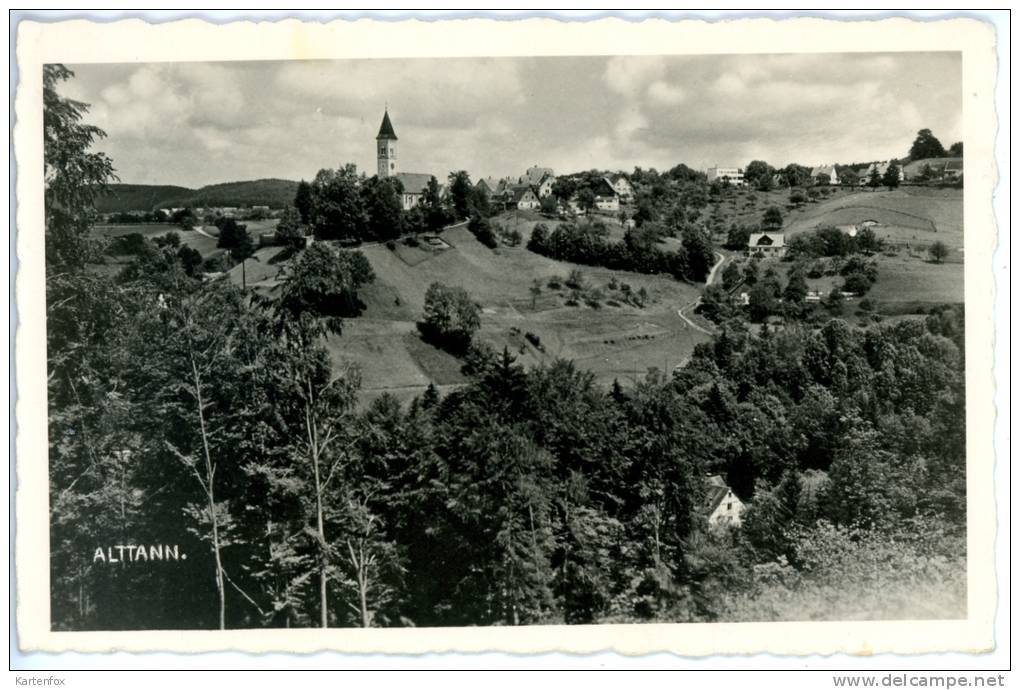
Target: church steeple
point(386, 128)
point(386, 148)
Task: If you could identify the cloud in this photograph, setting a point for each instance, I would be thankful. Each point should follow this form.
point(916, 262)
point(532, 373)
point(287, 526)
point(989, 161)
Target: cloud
point(629, 75)
point(665, 94)
point(199, 123)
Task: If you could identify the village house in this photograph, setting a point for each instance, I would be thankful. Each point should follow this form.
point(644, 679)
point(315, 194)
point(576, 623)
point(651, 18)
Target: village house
point(488, 185)
point(733, 176)
point(825, 174)
point(881, 167)
point(534, 175)
point(721, 507)
point(770, 244)
point(623, 188)
point(524, 198)
point(544, 188)
point(606, 198)
point(414, 184)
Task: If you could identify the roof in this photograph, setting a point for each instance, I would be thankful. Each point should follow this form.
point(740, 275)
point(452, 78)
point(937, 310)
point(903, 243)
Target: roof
point(535, 174)
point(616, 177)
point(520, 190)
point(414, 183)
point(823, 170)
point(386, 128)
point(766, 239)
point(604, 188)
point(715, 492)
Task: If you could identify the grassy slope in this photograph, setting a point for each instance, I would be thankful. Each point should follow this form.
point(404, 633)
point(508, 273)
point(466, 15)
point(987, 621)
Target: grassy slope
point(613, 342)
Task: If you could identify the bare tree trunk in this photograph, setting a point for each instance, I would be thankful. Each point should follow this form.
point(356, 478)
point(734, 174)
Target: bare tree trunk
point(313, 447)
point(209, 477)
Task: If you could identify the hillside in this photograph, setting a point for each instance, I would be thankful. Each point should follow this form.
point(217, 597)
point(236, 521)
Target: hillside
point(137, 197)
point(274, 193)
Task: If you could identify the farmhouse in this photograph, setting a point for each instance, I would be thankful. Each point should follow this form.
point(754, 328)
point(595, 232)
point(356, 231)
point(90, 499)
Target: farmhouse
point(733, 176)
point(544, 188)
point(606, 198)
point(488, 185)
point(825, 174)
point(534, 175)
point(721, 507)
point(386, 165)
point(766, 243)
point(524, 197)
point(623, 188)
point(881, 167)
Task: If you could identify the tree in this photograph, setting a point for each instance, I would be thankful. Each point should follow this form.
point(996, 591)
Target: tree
point(460, 193)
point(586, 200)
point(848, 178)
point(698, 253)
point(938, 251)
point(731, 276)
point(324, 283)
point(759, 174)
point(796, 287)
point(535, 290)
point(926, 146)
point(956, 150)
point(891, 177)
point(337, 211)
point(303, 201)
point(436, 215)
point(73, 174)
point(874, 177)
point(549, 205)
point(384, 213)
point(243, 250)
point(451, 317)
point(773, 218)
point(289, 229)
point(796, 175)
point(232, 233)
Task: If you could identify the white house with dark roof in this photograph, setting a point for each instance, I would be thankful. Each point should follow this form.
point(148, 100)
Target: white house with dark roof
point(733, 176)
point(721, 506)
point(524, 197)
point(622, 186)
point(767, 243)
point(825, 172)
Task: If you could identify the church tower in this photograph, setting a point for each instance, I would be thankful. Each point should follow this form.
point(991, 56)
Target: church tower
point(386, 148)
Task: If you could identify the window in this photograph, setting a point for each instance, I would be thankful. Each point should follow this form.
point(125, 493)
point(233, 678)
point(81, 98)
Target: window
point(729, 506)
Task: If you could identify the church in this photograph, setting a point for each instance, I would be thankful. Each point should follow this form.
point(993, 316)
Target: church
point(386, 165)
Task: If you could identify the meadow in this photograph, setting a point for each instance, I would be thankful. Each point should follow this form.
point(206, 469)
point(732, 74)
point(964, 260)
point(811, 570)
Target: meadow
point(613, 342)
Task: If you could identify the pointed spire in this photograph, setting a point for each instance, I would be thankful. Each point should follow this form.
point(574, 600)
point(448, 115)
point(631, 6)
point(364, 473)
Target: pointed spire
point(386, 128)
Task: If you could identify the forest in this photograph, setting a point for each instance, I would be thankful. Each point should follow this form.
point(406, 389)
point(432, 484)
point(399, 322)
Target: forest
point(204, 418)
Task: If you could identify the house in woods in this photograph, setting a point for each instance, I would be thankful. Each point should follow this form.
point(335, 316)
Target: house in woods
point(524, 198)
point(772, 244)
point(414, 184)
point(732, 176)
point(825, 174)
point(721, 507)
point(606, 198)
point(623, 188)
point(534, 175)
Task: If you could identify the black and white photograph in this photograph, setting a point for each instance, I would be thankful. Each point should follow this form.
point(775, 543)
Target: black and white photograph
point(541, 340)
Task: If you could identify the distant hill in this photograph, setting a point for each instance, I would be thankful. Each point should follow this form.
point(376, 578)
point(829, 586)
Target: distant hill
point(140, 197)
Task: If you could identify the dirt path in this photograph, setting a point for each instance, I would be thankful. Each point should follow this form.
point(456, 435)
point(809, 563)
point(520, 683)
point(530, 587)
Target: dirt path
point(690, 306)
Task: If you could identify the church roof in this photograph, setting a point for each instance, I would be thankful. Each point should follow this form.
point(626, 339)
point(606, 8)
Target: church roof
point(414, 183)
point(386, 128)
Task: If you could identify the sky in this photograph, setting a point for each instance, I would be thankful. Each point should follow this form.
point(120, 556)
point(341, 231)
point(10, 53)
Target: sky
point(199, 123)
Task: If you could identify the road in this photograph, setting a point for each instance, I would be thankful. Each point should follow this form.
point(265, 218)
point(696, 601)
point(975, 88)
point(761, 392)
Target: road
point(694, 305)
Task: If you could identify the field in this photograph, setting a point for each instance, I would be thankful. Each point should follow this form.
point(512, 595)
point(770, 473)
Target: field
point(613, 342)
point(913, 216)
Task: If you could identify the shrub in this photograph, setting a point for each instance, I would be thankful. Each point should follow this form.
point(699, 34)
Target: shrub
point(412, 241)
point(391, 245)
point(535, 341)
point(554, 283)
